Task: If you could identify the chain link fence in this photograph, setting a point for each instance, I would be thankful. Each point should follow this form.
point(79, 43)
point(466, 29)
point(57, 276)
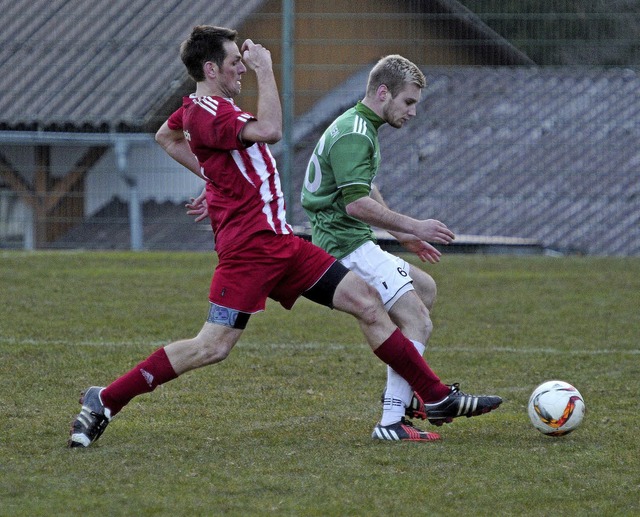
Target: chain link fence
point(528, 129)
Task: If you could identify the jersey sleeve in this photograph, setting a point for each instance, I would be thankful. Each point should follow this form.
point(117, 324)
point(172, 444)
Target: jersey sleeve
point(224, 128)
point(352, 193)
point(175, 120)
point(351, 158)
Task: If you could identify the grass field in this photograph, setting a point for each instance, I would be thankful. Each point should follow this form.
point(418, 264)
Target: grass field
point(283, 426)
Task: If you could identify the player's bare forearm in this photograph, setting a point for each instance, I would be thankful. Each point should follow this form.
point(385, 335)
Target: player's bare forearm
point(176, 146)
point(410, 241)
point(401, 237)
point(268, 124)
point(181, 153)
point(375, 214)
point(269, 107)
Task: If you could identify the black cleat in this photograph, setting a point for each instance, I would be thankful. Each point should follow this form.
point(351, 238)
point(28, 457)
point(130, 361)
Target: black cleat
point(402, 431)
point(458, 404)
point(91, 421)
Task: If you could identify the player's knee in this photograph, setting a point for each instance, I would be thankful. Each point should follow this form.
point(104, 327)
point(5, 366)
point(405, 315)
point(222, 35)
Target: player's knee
point(430, 293)
point(214, 347)
point(428, 327)
point(354, 296)
point(425, 287)
point(211, 353)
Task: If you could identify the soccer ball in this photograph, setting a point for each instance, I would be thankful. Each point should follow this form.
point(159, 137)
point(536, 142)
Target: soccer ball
point(556, 408)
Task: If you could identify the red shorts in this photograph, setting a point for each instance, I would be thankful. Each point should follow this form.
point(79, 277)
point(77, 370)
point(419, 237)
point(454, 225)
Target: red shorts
point(281, 267)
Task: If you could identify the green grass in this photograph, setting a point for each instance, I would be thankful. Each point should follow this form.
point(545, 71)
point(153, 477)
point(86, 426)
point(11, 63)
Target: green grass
point(283, 426)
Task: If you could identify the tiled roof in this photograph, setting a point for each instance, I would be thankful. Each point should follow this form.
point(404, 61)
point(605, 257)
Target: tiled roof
point(81, 65)
point(547, 154)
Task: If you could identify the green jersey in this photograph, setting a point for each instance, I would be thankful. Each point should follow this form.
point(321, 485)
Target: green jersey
point(345, 160)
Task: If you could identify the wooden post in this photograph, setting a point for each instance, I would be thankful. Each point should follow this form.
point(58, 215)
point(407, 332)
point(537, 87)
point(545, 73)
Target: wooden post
point(57, 203)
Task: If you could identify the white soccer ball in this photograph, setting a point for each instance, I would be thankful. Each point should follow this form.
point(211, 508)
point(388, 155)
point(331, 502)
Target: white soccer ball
point(556, 408)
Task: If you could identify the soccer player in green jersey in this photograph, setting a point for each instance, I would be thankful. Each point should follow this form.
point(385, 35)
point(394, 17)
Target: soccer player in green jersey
point(343, 204)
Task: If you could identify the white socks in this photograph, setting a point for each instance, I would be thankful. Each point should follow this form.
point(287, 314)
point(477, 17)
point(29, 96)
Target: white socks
point(398, 393)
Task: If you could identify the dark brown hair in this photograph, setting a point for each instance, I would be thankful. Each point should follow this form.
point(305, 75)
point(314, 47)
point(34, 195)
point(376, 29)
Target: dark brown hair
point(205, 43)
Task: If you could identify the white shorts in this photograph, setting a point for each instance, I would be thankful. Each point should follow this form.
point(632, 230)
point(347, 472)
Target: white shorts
point(386, 272)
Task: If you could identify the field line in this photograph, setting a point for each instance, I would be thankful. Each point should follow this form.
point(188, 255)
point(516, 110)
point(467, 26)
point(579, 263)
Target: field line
point(330, 346)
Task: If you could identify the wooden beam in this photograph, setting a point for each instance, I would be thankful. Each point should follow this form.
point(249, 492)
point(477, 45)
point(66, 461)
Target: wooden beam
point(48, 193)
point(41, 186)
point(15, 181)
point(65, 184)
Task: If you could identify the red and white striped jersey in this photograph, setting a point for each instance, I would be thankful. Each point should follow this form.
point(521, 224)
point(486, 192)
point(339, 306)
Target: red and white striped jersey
point(244, 192)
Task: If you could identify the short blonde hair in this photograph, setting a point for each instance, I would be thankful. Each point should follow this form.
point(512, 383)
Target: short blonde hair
point(394, 71)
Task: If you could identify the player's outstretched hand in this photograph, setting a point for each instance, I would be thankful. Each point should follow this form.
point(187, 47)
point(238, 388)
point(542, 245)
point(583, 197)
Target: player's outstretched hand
point(425, 251)
point(432, 230)
point(198, 207)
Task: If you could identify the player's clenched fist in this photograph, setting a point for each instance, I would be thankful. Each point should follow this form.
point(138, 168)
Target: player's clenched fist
point(255, 55)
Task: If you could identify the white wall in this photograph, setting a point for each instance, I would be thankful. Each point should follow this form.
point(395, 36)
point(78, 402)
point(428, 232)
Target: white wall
point(158, 177)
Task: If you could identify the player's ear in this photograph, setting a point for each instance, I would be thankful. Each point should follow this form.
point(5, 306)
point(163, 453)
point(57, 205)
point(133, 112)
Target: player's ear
point(210, 69)
point(382, 92)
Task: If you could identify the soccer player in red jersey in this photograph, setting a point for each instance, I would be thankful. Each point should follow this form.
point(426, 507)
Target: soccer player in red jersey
point(259, 256)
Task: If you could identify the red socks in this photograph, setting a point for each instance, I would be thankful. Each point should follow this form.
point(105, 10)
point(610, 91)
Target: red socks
point(399, 353)
point(144, 378)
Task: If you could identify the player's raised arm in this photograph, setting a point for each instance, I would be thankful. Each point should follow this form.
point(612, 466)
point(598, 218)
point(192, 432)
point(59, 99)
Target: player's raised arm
point(268, 126)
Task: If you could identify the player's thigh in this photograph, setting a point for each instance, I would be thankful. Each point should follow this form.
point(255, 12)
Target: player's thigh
point(243, 284)
point(354, 296)
point(311, 272)
point(424, 285)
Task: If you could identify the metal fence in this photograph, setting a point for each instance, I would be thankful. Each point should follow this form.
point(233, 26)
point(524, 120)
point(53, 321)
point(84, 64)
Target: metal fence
point(583, 57)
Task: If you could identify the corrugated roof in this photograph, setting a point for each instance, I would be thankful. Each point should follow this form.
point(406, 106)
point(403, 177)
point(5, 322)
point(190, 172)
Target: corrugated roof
point(75, 64)
point(547, 154)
